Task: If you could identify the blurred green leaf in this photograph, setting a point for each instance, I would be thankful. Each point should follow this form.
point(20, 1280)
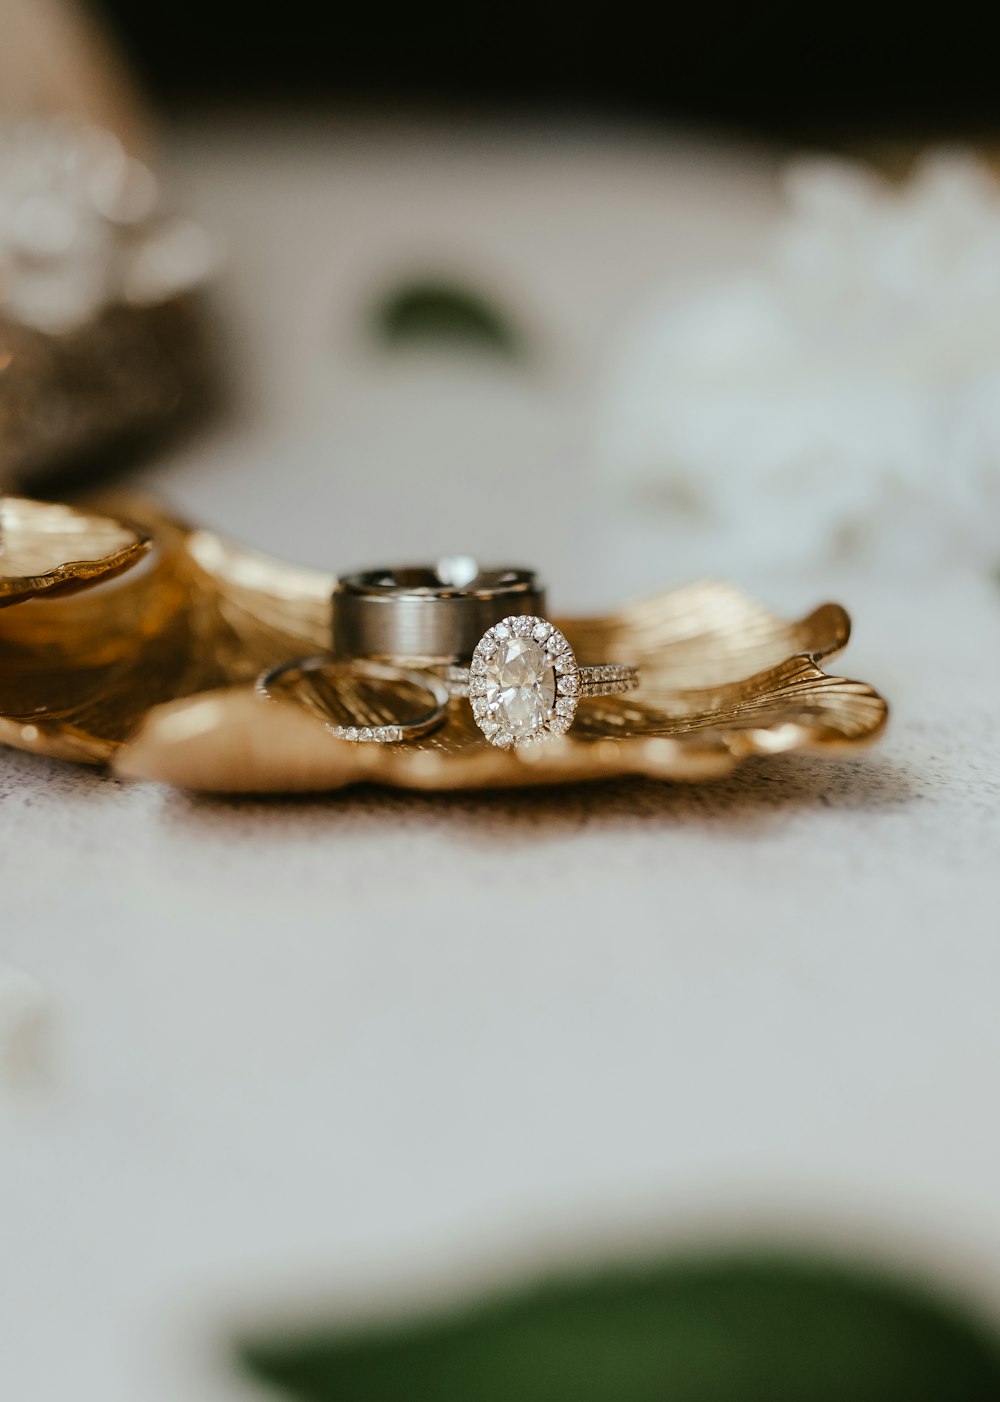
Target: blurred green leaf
point(750, 1329)
point(439, 312)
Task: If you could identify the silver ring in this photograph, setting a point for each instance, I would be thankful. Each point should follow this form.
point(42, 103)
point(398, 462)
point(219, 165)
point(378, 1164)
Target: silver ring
point(525, 683)
point(339, 677)
point(427, 614)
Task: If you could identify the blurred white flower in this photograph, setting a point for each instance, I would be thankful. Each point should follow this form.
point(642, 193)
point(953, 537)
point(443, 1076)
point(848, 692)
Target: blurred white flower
point(844, 398)
point(80, 228)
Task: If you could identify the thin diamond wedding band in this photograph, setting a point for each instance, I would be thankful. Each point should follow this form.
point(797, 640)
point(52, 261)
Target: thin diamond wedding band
point(342, 677)
point(427, 614)
point(525, 683)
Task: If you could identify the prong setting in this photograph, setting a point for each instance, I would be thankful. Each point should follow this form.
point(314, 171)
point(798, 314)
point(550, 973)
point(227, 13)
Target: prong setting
point(525, 682)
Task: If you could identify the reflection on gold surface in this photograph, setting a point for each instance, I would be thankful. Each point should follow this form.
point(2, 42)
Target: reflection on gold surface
point(50, 549)
point(154, 671)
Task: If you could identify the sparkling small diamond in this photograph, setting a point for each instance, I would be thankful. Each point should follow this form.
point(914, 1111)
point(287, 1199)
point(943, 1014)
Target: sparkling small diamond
point(570, 684)
point(566, 707)
point(541, 631)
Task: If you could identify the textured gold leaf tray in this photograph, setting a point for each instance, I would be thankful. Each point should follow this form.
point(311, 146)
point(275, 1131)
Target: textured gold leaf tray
point(152, 672)
point(47, 549)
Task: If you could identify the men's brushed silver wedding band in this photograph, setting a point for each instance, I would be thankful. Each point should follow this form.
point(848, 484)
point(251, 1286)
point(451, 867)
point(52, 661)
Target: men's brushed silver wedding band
point(428, 614)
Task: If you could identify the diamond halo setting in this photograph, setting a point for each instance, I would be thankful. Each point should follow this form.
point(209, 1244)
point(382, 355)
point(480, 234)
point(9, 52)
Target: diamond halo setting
point(524, 682)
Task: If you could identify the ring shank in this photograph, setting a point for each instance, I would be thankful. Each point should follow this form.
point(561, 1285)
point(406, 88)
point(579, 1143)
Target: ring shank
point(613, 679)
point(268, 687)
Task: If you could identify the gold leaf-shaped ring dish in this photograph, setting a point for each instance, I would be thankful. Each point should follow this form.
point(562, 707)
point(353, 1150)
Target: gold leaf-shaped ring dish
point(150, 667)
point(46, 548)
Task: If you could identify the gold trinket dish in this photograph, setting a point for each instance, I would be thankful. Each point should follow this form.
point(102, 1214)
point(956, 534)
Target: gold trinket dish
point(150, 666)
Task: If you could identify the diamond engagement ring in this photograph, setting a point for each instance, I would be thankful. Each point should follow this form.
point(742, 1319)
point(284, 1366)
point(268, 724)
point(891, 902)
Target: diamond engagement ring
point(427, 614)
point(525, 683)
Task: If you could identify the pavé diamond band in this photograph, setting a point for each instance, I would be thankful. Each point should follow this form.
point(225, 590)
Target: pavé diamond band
point(317, 681)
point(427, 614)
point(525, 683)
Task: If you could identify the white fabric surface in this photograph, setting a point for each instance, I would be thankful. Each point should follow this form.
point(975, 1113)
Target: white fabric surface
point(280, 1052)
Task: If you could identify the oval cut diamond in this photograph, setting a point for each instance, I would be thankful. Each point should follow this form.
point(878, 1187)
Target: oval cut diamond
point(520, 685)
point(522, 681)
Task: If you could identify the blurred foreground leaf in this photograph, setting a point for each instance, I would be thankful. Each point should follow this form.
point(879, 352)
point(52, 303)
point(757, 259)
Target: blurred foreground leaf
point(751, 1329)
point(433, 312)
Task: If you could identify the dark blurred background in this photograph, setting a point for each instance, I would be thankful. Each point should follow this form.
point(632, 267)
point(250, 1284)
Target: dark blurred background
point(782, 68)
